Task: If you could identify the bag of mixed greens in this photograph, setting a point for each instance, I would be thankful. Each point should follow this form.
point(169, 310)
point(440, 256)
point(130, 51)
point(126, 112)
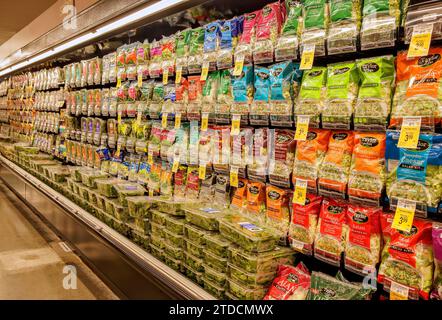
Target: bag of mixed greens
point(374, 98)
point(179, 186)
point(210, 89)
point(259, 111)
point(242, 90)
point(195, 93)
point(331, 231)
point(415, 174)
point(212, 39)
point(196, 45)
point(291, 283)
point(342, 90)
point(303, 224)
point(363, 243)
point(248, 36)
point(333, 175)
point(224, 97)
point(282, 154)
point(287, 45)
point(409, 260)
point(239, 198)
point(367, 171)
point(311, 96)
point(221, 149)
point(325, 287)
point(182, 49)
point(365, 290)
point(193, 183)
point(256, 198)
point(222, 191)
point(316, 20)
point(155, 177)
point(207, 189)
point(281, 94)
point(345, 18)
point(437, 249)
point(229, 32)
point(278, 209)
point(309, 156)
point(257, 169)
point(241, 150)
point(419, 89)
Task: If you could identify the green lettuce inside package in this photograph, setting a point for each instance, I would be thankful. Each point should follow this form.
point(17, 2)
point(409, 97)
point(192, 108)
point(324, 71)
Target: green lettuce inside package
point(287, 45)
point(315, 21)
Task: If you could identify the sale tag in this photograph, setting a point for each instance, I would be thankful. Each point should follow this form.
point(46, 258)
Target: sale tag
point(139, 114)
point(234, 177)
point(410, 131)
point(236, 123)
point(404, 215)
point(420, 40)
point(118, 82)
point(118, 151)
point(239, 64)
point(140, 80)
point(204, 71)
point(204, 121)
point(164, 120)
point(300, 192)
point(178, 74)
point(308, 55)
point(202, 171)
point(398, 291)
point(165, 76)
point(302, 123)
point(150, 158)
point(151, 193)
point(175, 165)
point(177, 120)
point(119, 117)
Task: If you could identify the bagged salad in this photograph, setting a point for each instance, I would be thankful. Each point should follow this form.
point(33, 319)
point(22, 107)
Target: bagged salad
point(291, 283)
point(437, 249)
point(242, 89)
point(196, 45)
point(282, 153)
point(281, 94)
point(316, 21)
point(260, 108)
point(247, 40)
point(224, 97)
point(229, 31)
point(287, 45)
point(257, 168)
point(278, 209)
point(256, 199)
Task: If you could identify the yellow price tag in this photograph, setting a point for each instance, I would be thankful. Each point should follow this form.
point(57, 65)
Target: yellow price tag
point(202, 171)
point(178, 74)
point(118, 151)
point(140, 80)
point(118, 82)
point(175, 165)
point(204, 121)
point(119, 117)
point(404, 215)
point(204, 71)
point(300, 193)
point(164, 120)
point(151, 192)
point(177, 120)
point(410, 130)
point(139, 115)
point(420, 40)
point(308, 55)
point(398, 291)
point(234, 177)
point(150, 159)
point(236, 124)
point(165, 76)
point(239, 65)
point(302, 123)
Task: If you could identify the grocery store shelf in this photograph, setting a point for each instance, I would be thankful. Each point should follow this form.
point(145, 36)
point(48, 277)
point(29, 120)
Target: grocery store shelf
point(129, 270)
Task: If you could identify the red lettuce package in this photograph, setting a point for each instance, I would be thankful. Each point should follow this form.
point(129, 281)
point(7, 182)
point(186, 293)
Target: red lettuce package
point(363, 244)
point(303, 224)
point(247, 40)
point(282, 156)
point(331, 231)
point(407, 260)
point(291, 283)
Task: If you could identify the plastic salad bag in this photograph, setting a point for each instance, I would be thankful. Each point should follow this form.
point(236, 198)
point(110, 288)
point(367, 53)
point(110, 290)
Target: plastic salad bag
point(291, 283)
point(334, 170)
point(309, 156)
point(363, 243)
point(331, 231)
point(195, 94)
point(437, 250)
point(316, 20)
point(282, 154)
point(256, 199)
point(342, 91)
point(311, 96)
point(415, 174)
point(408, 258)
point(248, 37)
point(418, 90)
point(367, 171)
point(209, 92)
point(287, 45)
point(239, 197)
point(224, 97)
point(196, 45)
point(182, 49)
point(260, 108)
point(229, 33)
point(303, 224)
point(242, 90)
point(281, 94)
point(155, 68)
point(373, 105)
point(257, 168)
point(212, 39)
point(278, 209)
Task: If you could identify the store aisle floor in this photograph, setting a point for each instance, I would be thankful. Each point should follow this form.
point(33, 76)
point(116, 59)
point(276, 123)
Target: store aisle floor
point(35, 264)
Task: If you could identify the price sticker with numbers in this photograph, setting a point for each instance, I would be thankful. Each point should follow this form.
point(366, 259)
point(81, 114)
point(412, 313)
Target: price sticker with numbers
point(178, 74)
point(140, 79)
point(420, 40)
point(204, 71)
point(139, 113)
point(398, 291)
point(204, 121)
point(150, 158)
point(175, 165)
point(118, 82)
point(120, 114)
point(177, 120)
point(300, 193)
point(308, 55)
point(239, 65)
point(202, 171)
point(165, 76)
point(302, 123)
point(236, 124)
point(410, 130)
point(164, 120)
point(404, 215)
point(234, 177)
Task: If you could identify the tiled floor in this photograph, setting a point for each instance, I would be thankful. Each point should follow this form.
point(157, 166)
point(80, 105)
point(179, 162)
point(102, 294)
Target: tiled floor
point(35, 264)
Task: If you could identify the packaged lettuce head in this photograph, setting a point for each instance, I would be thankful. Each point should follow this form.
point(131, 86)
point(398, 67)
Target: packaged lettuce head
point(437, 250)
point(415, 174)
point(376, 89)
point(342, 90)
point(312, 94)
point(242, 85)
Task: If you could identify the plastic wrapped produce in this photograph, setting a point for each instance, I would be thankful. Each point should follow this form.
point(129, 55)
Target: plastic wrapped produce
point(239, 197)
point(331, 231)
point(247, 41)
point(256, 197)
point(125, 190)
point(311, 96)
point(196, 44)
point(138, 206)
point(291, 283)
point(408, 260)
point(303, 224)
point(257, 169)
point(224, 97)
point(182, 49)
point(367, 171)
point(287, 45)
point(282, 155)
point(251, 280)
point(229, 31)
point(204, 217)
point(437, 250)
point(214, 288)
point(242, 292)
point(260, 108)
point(281, 93)
point(242, 89)
point(373, 105)
point(212, 39)
point(194, 262)
point(214, 276)
point(316, 20)
point(216, 244)
point(278, 209)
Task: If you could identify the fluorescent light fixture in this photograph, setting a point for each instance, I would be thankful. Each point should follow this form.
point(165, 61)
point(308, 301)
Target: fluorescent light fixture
point(75, 42)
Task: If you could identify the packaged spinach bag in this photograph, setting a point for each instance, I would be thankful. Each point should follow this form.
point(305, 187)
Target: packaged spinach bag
point(259, 110)
point(311, 96)
point(315, 14)
point(415, 174)
point(212, 39)
point(376, 90)
point(196, 44)
point(287, 46)
point(281, 93)
point(342, 90)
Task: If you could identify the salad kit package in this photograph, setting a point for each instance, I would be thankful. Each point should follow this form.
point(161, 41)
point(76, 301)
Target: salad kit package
point(407, 259)
point(287, 46)
point(243, 89)
point(224, 97)
point(257, 168)
point(291, 283)
point(278, 209)
point(244, 49)
point(415, 174)
point(331, 231)
point(256, 199)
point(260, 108)
point(316, 21)
point(282, 153)
point(437, 250)
point(281, 93)
point(373, 104)
point(229, 30)
point(196, 45)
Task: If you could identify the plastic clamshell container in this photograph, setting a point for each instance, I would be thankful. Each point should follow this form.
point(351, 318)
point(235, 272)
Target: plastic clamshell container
point(213, 288)
point(195, 234)
point(88, 177)
point(214, 276)
point(262, 262)
point(194, 249)
point(217, 245)
point(215, 262)
point(192, 274)
point(128, 189)
point(157, 229)
point(109, 206)
point(158, 217)
point(76, 175)
point(174, 239)
point(175, 225)
point(245, 293)
point(156, 251)
point(83, 192)
point(195, 263)
point(120, 212)
point(101, 202)
point(157, 241)
point(93, 197)
point(248, 235)
point(106, 187)
point(173, 263)
point(203, 217)
point(138, 206)
point(250, 279)
point(174, 252)
point(172, 207)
